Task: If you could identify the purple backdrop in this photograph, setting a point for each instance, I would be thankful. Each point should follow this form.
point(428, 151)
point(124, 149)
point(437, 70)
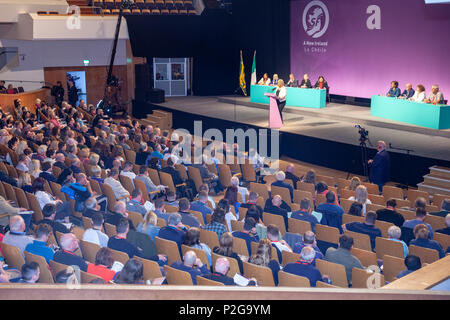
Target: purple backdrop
point(413, 45)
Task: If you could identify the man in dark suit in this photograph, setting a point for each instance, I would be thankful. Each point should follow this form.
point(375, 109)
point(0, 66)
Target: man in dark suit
point(280, 183)
point(445, 209)
point(69, 244)
point(47, 172)
point(380, 166)
point(170, 169)
point(192, 265)
point(174, 231)
point(248, 234)
point(275, 208)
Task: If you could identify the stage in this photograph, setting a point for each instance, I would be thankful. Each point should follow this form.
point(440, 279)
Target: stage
point(324, 136)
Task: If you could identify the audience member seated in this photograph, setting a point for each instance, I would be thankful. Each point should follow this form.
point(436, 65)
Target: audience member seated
point(354, 183)
point(186, 217)
point(252, 199)
point(419, 95)
point(128, 171)
point(192, 239)
point(221, 269)
point(412, 264)
point(274, 207)
point(305, 267)
point(342, 255)
point(248, 233)
point(66, 255)
point(16, 235)
point(204, 187)
point(30, 273)
point(149, 225)
point(170, 169)
point(421, 213)
point(291, 176)
point(366, 227)
point(355, 209)
point(193, 265)
point(322, 84)
point(226, 249)
point(331, 213)
point(263, 257)
point(361, 196)
point(390, 215)
point(229, 216)
point(171, 199)
point(445, 209)
point(142, 154)
point(200, 205)
point(132, 273)
point(113, 181)
point(280, 176)
point(102, 266)
point(34, 168)
point(91, 207)
point(422, 239)
point(95, 234)
point(49, 213)
point(306, 83)
point(97, 174)
point(160, 210)
point(208, 177)
point(22, 165)
point(63, 209)
point(435, 96)
point(113, 217)
point(304, 214)
point(38, 246)
point(136, 203)
point(120, 243)
point(309, 240)
point(394, 233)
point(217, 222)
point(394, 91)
point(149, 185)
point(447, 223)
point(273, 234)
point(174, 231)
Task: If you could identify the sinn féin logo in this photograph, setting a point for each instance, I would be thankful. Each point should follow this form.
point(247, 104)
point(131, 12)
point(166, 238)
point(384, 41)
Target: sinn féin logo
point(315, 19)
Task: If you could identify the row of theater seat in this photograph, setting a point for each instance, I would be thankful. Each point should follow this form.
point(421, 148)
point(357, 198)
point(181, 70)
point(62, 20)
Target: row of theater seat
point(152, 11)
point(148, 4)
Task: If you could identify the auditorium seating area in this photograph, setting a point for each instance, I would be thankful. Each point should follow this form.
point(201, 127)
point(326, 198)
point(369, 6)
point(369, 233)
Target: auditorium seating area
point(386, 252)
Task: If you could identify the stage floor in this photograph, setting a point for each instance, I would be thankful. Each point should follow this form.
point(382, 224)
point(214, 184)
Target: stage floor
point(336, 123)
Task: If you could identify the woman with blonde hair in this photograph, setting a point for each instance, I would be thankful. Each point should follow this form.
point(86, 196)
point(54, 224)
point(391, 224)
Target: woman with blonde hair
point(354, 182)
point(35, 168)
point(263, 257)
point(149, 226)
point(21, 147)
point(361, 197)
point(24, 182)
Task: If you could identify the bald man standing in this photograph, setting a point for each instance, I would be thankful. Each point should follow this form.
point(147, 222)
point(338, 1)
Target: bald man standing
point(380, 166)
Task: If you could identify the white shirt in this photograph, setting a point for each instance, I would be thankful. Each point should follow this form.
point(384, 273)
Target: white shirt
point(43, 198)
point(282, 93)
point(281, 246)
point(118, 189)
point(96, 236)
point(243, 191)
point(264, 83)
point(418, 97)
point(228, 217)
point(129, 174)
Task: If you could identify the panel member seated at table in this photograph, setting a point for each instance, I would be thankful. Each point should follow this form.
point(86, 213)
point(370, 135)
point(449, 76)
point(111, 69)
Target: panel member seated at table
point(321, 83)
point(306, 83)
point(419, 95)
point(281, 94)
point(408, 93)
point(275, 80)
point(394, 91)
point(265, 80)
point(292, 83)
point(436, 96)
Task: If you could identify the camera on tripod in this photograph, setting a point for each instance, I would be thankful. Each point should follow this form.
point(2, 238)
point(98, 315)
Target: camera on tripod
point(363, 133)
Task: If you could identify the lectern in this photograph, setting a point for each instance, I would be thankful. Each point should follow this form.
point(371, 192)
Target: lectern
point(274, 114)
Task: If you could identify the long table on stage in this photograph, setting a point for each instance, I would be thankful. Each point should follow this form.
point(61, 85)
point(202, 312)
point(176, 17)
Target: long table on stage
point(295, 97)
point(417, 113)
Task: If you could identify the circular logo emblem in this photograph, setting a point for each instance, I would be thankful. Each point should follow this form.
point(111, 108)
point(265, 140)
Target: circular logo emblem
point(315, 19)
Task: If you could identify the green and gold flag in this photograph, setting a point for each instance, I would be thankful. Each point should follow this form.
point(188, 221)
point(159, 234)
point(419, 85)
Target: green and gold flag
point(242, 77)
